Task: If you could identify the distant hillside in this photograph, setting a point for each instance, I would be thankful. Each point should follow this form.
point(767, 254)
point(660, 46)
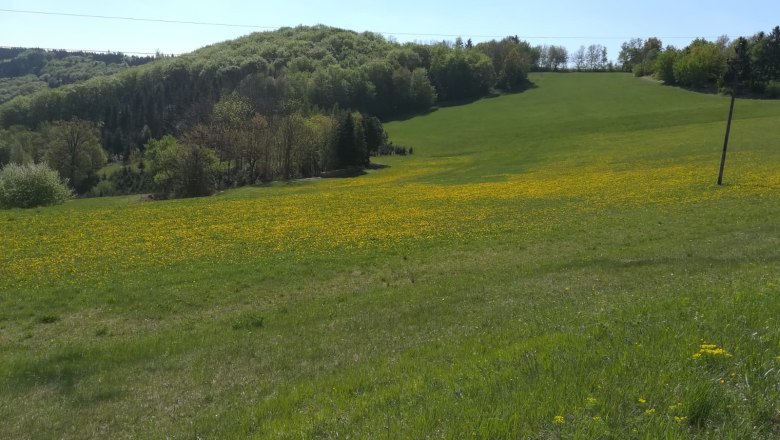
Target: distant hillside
point(25, 71)
point(312, 69)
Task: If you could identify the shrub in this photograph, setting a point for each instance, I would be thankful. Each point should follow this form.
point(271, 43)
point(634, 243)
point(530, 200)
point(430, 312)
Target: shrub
point(31, 185)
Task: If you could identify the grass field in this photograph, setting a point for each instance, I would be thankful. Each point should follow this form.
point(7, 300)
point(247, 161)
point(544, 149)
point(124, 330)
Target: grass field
point(552, 264)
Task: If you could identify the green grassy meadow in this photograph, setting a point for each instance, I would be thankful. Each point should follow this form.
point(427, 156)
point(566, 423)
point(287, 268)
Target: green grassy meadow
point(557, 263)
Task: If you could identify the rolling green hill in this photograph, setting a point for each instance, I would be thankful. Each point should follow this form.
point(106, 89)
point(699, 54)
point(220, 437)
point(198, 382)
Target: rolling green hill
point(25, 71)
point(551, 264)
point(307, 68)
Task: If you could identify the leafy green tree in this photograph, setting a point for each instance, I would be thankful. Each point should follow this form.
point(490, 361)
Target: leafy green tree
point(664, 65)
point(558, 56)
point(375, 134)
point(317, 139)
point(21, 146)
point(257, 149)
point(462, 74)
point(700, 66)
point(228, 126)
point(181, 170)
point(360, 146)
point(771, 55)
point(350, 145)
point(763, 52)
point(161, 155)
point(739, 69)
point(422, 94)
point(75, 152)
point(498, 51)
point(289, 137)
point(405, 57)
point(514, 71)
point(197, 171)
point(630, 54)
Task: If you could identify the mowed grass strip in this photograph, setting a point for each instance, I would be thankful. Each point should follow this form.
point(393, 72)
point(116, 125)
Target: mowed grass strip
point(548, 264)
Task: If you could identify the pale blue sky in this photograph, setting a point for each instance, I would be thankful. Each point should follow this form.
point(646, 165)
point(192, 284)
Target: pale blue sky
point(608, 22)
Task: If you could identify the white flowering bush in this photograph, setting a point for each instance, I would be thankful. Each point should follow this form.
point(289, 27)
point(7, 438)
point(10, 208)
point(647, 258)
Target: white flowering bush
point(31, 185)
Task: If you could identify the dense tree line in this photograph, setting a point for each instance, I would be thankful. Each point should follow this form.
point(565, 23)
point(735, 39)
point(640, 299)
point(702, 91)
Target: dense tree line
point(753, 63)
point(233, 146)
point(25, 71)
point(266, 105)
point(306, 68)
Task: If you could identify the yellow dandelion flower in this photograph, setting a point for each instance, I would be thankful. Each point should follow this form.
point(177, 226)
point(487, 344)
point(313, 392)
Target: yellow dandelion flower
point(650, 411)
point(558, 420)
point(642, 401)
point(710, 351)
point(680, 419)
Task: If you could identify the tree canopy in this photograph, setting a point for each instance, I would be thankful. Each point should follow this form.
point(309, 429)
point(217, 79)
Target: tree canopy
point(749, 63)
point(26, 71)
point(304, 68)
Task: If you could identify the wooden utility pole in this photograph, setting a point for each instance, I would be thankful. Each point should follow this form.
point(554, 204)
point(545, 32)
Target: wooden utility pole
point(737, 67)
point(726, 140)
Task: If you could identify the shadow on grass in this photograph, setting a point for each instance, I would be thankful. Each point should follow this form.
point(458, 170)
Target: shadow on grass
point(459, 102)
point(771, 94)
point(62, 370)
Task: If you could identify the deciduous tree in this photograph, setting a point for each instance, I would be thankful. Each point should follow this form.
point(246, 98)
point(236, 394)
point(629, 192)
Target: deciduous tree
point(75, 152)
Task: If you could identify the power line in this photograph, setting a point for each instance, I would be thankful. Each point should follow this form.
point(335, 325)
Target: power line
point(252, 26)
point(153, 20)
point(123, 52)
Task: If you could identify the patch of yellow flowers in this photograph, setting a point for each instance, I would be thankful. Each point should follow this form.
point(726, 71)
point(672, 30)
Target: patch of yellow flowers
point(710, 350)
point(382, 210)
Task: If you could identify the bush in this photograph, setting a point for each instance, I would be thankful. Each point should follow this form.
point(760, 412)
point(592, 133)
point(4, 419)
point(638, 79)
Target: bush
point(28, 186)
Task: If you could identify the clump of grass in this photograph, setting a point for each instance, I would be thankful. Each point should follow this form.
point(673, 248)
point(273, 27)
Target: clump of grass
point(703, 405)
point(248, 321)
point(48, 319)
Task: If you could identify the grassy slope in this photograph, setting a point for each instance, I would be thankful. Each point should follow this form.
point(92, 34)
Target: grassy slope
point(560, 252)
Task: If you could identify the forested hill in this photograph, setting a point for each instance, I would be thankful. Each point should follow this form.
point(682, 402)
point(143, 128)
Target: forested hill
point(25, 71)
point(307, 69)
